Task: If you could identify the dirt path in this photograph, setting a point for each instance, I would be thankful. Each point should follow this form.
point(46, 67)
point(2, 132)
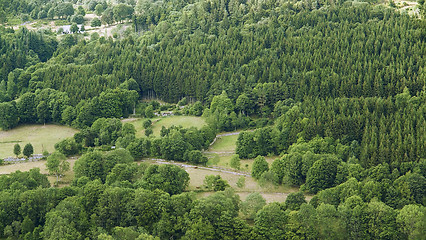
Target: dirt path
point(227, 134)
point(268, 196)
point(209, 168)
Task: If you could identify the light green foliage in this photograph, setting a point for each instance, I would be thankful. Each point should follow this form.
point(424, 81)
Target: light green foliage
point(95, 22)
point(243, 104)
point(149, 205)
point(383, 218)
point(215, 183)
point(81, 11)
point(253, 203)
point(149, 112)
point(57, 165)
point(412, 187)
point(329, 222)
point(411, 219)
point(221, 102)
point(124, 173)
point(139, 147)
point(335, 88)
point(241, 182)
point(235, 161)
point(121, 12)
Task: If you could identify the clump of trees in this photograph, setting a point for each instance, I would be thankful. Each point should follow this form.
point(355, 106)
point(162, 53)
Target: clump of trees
point(28, 150)
point(57, 165)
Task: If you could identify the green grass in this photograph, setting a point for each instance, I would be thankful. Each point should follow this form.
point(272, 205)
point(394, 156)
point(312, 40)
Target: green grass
point(26, 166)
point(225, 144)
point(184, 121)
point(269, 192)
point(40, 136)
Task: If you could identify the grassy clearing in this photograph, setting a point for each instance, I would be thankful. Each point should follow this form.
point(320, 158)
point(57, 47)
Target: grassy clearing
point(184, 121)
point(269, 192)
point(220, 154)
point(248, 163)
point(225, 144)
point(26, 166)
point(40, 136)
point(223, 160)
point(251, 185)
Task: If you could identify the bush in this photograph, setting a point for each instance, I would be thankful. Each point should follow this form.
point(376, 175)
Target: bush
point(28, 150)
point(95, 22)
point(195, 156)
point(79, 19)
point(147, 123)
point(235, 161)
point(215, 183)
point(253, 203)
point(148, 131)
point(260, 165)
point(149, 112)
point(68, 146)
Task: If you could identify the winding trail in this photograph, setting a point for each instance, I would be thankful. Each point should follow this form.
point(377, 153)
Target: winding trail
point(209, 168)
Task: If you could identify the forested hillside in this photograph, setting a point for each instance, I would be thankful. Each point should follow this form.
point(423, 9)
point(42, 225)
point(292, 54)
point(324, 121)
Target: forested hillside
point(332, 52)
point(335, 91)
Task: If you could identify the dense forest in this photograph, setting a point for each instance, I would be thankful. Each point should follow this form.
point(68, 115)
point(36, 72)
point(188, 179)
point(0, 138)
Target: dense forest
point(336, 90)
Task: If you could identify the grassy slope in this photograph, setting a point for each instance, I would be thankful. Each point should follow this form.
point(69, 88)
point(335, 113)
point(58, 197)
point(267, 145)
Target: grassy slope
point(40, 136)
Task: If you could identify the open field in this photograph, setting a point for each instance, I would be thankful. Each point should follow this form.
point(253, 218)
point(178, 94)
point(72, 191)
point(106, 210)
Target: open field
point(184, 121)
point(269, 192)
point(197, 174)
point(224, 144)
point(220, 153)
point(26, 166)
point(42, 137)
